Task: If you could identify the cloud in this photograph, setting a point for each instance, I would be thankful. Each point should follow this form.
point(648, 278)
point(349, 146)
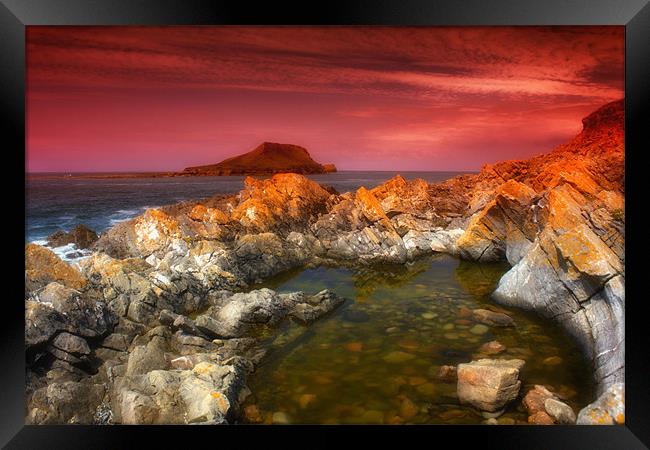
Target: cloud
point(410, 92)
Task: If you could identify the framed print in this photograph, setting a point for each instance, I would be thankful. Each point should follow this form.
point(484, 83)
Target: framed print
point(365, 217)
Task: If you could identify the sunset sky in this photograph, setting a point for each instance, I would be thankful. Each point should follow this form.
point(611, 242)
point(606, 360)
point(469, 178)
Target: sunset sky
point(364, 98)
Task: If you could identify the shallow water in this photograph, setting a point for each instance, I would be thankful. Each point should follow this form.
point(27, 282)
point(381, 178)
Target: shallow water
point(376, 358)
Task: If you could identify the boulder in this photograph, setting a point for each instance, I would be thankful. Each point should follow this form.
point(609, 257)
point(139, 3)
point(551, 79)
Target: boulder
point(42, 267)
point(489, 384)
point(85, 317)
point(608, 409)
point(81, 236)
point(315, 306)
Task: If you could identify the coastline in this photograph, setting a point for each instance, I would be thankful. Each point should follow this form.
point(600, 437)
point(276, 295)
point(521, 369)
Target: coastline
point(556, 219)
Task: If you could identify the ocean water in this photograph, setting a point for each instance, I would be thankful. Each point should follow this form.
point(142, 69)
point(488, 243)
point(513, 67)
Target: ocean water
point(58, 203)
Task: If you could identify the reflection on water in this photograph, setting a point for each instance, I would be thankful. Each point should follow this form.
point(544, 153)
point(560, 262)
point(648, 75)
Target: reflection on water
point(376, 359)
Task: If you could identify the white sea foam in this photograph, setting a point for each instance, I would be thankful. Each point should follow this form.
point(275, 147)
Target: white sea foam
point(68, 253)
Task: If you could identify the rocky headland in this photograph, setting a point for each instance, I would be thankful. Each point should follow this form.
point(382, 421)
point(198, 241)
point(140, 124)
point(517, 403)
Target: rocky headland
point(267, 158)
point(157, 326)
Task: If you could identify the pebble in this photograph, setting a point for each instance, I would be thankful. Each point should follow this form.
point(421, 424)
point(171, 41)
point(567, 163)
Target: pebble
point(407, 409)
point(280, 418)
point(451, 336)
point(409, 344)
point(492, 348)
point(427, 389)
point(449, 326)
point(252, 414)
point(479, 329)
point(398, 357)
point(429, 316)
point(354, 346)
point(552, 361)
point(306, 399)
point(392, 330)
point(372, 416)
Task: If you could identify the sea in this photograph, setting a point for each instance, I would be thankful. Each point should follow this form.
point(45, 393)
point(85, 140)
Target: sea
point(59, 202)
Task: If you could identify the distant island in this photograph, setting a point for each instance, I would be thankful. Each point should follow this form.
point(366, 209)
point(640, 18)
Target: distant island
point(266, 158)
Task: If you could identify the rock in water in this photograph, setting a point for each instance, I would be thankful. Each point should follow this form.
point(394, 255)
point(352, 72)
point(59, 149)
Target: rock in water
point(561, 412)
point(489, 384)
point(81, 236)
point(491, 318)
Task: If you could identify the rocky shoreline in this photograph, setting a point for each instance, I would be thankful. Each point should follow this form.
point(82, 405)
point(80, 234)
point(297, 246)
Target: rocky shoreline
point(154, 327)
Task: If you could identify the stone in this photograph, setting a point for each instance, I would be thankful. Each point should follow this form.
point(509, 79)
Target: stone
point(145, 358)
point(540, 418)
point(66, 403)
point(42, 267)
point(608, 409)
point(71, 344)
point(561, 412)
point(396, 357)
point(252, 414)
point(489, 384)
point(479, 329)
point(84, 316)
point(138, 409)
point(182, 363)
point(316, 307)
point(492, 318)
point(535, 399)
point(306, 399)
point(82, 236)
point(447, 374)
point(492, 348)
point(281, 418)
point(552, 361)
point(354, 346)
point(407, 409)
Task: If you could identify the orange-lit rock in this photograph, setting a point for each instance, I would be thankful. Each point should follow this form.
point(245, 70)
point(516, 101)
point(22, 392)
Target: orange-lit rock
point(42, 266)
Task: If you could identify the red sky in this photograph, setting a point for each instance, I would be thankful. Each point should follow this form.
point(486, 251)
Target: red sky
point(363, 98)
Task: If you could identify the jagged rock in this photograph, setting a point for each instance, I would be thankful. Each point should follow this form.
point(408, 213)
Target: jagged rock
point(145, 358)
point(316, 306)
point(85, 317)
point(261, 306)
point(71, 344)
point(448, 374)
point(489, 384)
point(66, 403)
point(42, 267)
point(42, 322)
point(82, 236)
point(558, 219)
point(609, 409)
point(208, 394)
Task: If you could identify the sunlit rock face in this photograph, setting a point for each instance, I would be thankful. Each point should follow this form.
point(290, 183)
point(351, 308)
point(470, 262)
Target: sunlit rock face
point(557, 219)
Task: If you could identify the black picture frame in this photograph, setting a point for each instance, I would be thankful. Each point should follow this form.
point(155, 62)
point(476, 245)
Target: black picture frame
point(15, 15)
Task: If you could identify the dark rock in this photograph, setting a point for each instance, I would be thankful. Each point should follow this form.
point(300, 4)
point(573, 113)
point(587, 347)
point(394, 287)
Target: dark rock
point(82, 236)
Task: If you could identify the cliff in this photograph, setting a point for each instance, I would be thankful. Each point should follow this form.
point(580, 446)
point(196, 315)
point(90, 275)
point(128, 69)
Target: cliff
point(558, 219)
point(267, 158)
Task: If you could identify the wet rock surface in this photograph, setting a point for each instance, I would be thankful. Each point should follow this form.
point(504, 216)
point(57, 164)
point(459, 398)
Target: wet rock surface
point(179, 271)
